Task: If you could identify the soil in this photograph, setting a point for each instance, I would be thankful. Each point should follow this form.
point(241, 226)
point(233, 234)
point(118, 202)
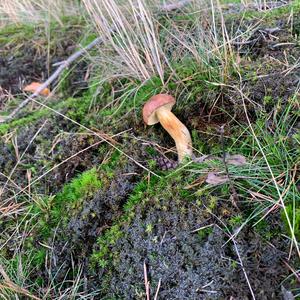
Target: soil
point(180, 263)
point(47, 148)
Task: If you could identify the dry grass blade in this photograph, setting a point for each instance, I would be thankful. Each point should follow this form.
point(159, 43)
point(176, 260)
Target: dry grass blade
point(147, 283)
point(32, 11)
point(131, 33)
point(157, 290)
point(10, 209)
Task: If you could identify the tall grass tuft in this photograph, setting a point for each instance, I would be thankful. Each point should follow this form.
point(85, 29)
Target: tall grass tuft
point(129, 28)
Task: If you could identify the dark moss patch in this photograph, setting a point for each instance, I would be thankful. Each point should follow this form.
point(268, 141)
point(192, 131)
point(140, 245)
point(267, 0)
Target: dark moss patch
point(93, 218)
point(159, 231)
point(46, 139)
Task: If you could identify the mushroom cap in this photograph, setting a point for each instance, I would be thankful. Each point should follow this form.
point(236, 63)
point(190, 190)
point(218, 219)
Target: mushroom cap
point(155, 102)
point(33, 86)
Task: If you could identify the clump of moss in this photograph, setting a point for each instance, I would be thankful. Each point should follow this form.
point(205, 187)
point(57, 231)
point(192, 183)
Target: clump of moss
point(147, 189)
point(108, 239)
point(58, 209)
point(53, 211)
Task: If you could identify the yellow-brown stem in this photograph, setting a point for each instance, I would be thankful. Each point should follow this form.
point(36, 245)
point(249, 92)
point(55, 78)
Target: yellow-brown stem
point(177, 131)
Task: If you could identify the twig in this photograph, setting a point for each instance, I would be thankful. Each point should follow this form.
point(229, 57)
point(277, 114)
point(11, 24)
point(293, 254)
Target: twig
point(63, 65)
point(243, 268)
point(147, 283)
point(157, 290)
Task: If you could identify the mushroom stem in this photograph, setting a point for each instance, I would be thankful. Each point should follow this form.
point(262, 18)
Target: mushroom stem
point(177, 131)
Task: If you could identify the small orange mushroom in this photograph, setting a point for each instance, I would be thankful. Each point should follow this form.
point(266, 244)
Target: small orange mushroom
point(158, 110)
point(33, 86)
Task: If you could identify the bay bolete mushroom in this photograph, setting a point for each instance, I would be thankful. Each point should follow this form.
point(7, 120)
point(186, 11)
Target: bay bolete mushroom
point(158, 110)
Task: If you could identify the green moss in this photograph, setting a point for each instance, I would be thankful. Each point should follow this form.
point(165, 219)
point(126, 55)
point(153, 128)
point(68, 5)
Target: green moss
point(139, 192)
point(109, 168)
point(53, 211)
point(103, 256)
point(236, 221)
point(76, 108)
point(204, 233)
point(56, 210)
point(4, 128)
point(267, 100)
point(272, 14)
point(12, 34)
point(198, 142)
point(265, 230)
point(153, 188)
point(212, 203)
point(38, 258)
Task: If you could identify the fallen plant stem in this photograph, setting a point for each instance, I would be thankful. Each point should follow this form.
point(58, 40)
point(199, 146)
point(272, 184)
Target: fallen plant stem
point(15, 288)
point(157, 290)
point(243, 268)
point(147, 283)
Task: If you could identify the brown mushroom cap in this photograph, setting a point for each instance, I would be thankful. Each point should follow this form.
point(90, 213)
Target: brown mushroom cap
point(155, 102)
point(33, 86)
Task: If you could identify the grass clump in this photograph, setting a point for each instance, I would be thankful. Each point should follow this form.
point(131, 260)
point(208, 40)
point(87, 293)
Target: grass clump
point(134, 94)
point(13, 34)
point(33, 11)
